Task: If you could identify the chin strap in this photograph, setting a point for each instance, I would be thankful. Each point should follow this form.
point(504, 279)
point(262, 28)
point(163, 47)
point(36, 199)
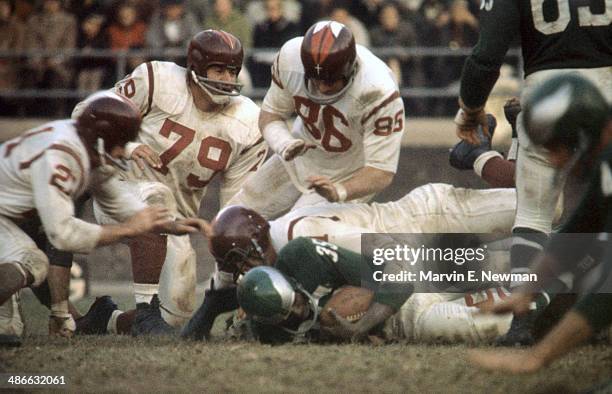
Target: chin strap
point(308, 324)
point(105, 157)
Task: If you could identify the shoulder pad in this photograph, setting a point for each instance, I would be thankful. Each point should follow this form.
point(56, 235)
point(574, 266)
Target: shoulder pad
point(170, 92)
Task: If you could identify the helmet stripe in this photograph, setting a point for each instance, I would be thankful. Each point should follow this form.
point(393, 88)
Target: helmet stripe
point(227, 38)
point(322, 43)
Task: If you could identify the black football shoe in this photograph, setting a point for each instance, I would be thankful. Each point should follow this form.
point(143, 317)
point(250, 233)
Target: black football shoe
point(7, 340)
point(149, 322)
point(463, 154)
point(520, 332)
point(95, 321)
point(522, 329)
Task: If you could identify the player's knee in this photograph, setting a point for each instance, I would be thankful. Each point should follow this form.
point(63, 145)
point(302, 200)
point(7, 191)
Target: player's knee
point(36, 263)
point(160, 194)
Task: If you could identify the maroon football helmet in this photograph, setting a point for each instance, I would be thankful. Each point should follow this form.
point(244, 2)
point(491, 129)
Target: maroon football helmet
point(109, 120)
point(215, 47)
point(239, 234)
point(329, 54)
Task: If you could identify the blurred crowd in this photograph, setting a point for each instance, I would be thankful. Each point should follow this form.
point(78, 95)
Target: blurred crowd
point(162, 24)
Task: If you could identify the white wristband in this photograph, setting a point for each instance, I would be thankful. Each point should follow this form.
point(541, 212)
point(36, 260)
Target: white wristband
point(277, 136)
point(481, 160)
point(341, 191)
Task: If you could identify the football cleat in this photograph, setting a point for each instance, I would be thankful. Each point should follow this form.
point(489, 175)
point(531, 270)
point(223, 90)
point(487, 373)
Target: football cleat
point(512, 108)
point(9, 340)
point(520, 332)
point(149, 322)
point(95, 321)
point(463, 154)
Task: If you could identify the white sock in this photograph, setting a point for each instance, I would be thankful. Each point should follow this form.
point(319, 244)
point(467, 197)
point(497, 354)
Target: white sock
point(144, 292)
point(111, 326)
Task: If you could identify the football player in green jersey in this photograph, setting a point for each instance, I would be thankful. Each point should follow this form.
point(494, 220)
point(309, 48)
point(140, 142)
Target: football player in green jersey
point(558, 36)
point(570, 117)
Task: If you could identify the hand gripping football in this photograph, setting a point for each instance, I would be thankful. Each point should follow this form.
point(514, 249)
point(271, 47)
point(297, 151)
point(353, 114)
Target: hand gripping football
point(349, 302)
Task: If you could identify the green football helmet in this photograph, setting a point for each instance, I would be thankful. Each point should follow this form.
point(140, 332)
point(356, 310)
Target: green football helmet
point(566, 111)
point(267, 296)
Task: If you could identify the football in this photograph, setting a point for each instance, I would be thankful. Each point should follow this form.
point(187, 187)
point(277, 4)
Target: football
point(349, 302)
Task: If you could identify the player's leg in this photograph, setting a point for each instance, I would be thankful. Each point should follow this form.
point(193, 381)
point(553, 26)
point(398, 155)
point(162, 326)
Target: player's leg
point(22, 264)
point(442, 317)
point(442, 208)
point(148, 255)
point(270, 191)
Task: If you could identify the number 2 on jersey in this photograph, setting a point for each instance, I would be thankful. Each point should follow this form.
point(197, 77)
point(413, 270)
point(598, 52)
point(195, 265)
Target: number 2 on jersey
point(186, 137)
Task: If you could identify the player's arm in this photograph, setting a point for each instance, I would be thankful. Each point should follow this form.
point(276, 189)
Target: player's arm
point(383, 126)
point(314, 263)
point(220, 298)
point(388, 299)
point(277, 107)
point(121, 205)
point(498, 27)
point(248, 161)
point(55, 177)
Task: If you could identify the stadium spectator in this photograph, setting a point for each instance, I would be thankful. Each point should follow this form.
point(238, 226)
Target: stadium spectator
point(91, 71)
point(226, 17)
point(82, 9)
point(127, 31)
point(50, 29)
point(367, 11)
point(390, 33)
point(172, 26)
point(313, 11)
point(11, 39)
point(256, 11)
point(395, 31)
point(341, 13)
point(273, 32)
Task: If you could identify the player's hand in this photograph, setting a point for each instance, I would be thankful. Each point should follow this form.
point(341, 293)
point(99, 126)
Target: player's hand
point(61, 326)
point(186, 226)
point(295, 149)
point(512, 108)
point(154, 218)
point(518, 304)
point(467, 121)
point(344, 329)
point(324, 187)
point(514, 361)
point(144, 154)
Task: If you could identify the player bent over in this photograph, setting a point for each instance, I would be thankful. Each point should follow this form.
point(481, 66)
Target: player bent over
point(345, 143)
point(42, 172)
point(196, 126)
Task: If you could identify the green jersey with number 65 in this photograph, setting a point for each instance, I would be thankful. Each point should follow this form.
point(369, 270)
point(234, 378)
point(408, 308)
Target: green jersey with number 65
point(554, 34)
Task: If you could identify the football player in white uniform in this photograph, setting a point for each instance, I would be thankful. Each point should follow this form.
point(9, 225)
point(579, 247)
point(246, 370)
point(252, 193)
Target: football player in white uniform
point(42, 172)
point(196, 125)
point(345, 143)
point(242, 237)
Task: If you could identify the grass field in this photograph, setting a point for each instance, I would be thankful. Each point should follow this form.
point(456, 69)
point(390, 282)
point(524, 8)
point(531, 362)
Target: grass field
point(125, 364)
